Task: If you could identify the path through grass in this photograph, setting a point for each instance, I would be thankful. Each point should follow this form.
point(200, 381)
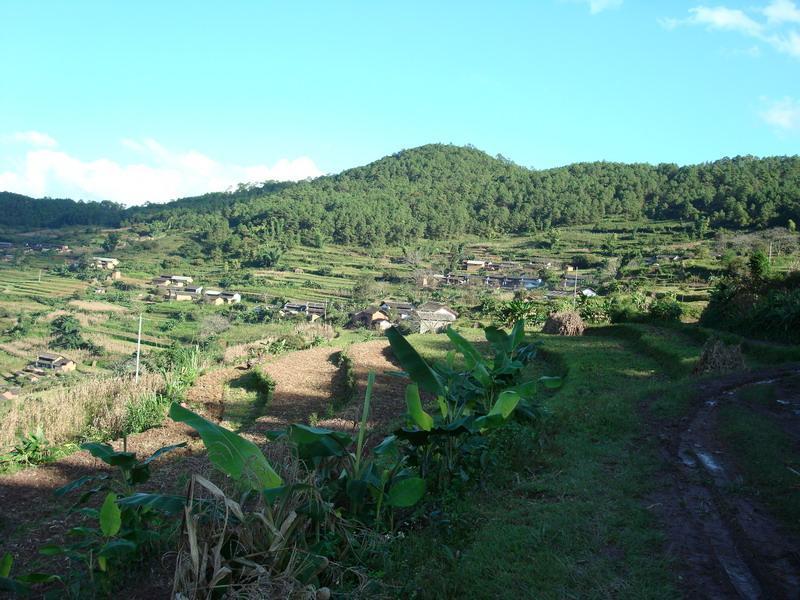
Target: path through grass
point(568, 522)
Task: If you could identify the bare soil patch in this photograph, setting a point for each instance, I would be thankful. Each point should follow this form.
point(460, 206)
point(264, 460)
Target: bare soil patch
point(388, 393)
point(304, 384)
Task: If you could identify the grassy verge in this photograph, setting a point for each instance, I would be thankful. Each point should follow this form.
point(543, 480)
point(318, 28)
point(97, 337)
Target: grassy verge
point(565, 522)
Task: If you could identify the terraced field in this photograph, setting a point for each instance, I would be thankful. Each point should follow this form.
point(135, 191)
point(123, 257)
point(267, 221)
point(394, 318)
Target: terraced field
point(26, 284)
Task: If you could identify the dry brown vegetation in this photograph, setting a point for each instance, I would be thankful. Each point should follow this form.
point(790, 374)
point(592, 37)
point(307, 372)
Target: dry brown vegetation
point(719, 357)
point(65, 412)
point(564, 323)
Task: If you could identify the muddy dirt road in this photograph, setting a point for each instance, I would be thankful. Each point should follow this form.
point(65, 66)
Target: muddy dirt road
point(725, 544)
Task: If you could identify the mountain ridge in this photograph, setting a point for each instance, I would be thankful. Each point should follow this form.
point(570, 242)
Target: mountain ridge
point(439, 191)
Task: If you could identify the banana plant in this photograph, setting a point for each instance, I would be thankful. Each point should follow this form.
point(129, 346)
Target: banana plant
point(362, 483)
point(470, 400)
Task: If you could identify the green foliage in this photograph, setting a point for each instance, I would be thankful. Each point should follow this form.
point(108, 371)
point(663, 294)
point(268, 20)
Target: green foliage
point(759, 266)
point(111, 242)
point(398, 199)
point(508, 313)
point(665, 309)
point(145, 412)
point(470, 401)
point(31, 449)
point(365, 290)
point(753, 306)
point(128, 527)
point(235, 456)
point(66, 332)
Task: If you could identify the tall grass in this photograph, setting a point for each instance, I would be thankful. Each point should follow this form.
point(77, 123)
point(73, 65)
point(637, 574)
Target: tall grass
point(94, 406)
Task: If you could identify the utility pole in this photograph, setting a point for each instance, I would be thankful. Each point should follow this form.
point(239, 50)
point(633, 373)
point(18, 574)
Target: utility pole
point(770, 254)
point(575, 292)
point(40, 276)
point(138, 347)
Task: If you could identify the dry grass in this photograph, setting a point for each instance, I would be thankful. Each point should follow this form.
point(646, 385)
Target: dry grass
point(718, 357)
point(564, 323)
point(94, 306)
point(111, 344)
point(66, 412)
point(241, 352)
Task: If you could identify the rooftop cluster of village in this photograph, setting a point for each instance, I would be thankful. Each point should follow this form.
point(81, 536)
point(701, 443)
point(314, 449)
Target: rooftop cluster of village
point(181, 288)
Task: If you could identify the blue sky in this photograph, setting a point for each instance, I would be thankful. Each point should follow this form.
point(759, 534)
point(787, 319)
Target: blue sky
point(148, 101)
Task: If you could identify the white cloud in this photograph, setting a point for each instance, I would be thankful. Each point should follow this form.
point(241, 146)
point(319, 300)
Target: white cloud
point(32, 138)
point(782, 11)
point(720, 17)
point(783, 114)
point(788, 43)
point(161, 174)
point(772, 31)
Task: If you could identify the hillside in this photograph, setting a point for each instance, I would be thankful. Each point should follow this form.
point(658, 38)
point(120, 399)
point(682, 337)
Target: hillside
point(439, 191)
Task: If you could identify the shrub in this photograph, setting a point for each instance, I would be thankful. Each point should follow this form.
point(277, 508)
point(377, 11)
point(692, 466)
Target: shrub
point(564, 323)
point(594, 310)
point(264, 381)
point(144, 412)
point(665, 309)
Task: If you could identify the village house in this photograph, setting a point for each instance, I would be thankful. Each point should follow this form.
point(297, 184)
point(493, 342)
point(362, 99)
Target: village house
point(371, 317)
point(471, 266)
point(161, 281)
point(213, 297)
point(172, 280)
point(403, 310)
point(313, 310)
point(231, 297)
point(588, 293)
point(10, 393)
point(571, 281)
point(54, 362)
point(102, 262)
point(218, 297)
point(186, 294)
point(115, 275)
point(433, 317)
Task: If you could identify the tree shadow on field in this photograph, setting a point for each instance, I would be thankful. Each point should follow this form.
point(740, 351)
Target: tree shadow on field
point(246, 413)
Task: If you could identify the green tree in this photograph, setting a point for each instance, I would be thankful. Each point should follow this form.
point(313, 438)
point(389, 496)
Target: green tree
point(759, 266)
point(365, 290)
point(66, 332)
point(111, 242)
point(553, 237)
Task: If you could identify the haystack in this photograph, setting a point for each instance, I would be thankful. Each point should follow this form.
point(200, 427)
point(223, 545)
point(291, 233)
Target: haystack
point(564, 323)
point(719, 357)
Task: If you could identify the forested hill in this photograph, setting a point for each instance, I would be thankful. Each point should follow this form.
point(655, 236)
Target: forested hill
point(440, 191)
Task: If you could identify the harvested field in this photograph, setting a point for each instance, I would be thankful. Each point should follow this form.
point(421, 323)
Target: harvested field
point(388, 394)
point(303, 385)
point(94, 306)
point(208, 391)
